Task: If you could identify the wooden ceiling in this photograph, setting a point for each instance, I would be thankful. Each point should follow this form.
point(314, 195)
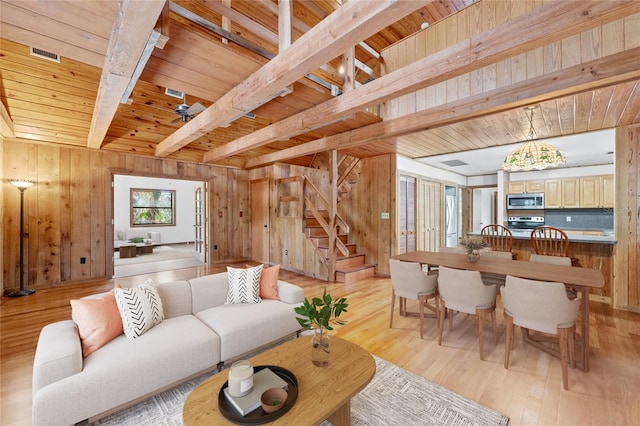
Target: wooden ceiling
point(56, 102)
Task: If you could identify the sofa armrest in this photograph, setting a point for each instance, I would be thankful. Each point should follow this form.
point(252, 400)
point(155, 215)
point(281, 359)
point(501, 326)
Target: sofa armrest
point(58, 354)
point(290, 293)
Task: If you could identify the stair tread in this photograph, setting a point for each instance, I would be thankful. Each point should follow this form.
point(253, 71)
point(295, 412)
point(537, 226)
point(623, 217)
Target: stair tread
point(356, 268)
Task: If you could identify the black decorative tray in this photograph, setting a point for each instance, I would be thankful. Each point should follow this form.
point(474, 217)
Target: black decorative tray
point(258, 416)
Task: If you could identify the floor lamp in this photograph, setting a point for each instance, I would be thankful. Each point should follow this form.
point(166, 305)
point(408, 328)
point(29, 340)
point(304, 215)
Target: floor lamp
point(22, 185)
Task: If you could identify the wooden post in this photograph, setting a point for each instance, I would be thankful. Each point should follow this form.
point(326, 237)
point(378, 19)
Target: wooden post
point(333, 211)
point(349, 75)
point(285, 13)
point(226, 22)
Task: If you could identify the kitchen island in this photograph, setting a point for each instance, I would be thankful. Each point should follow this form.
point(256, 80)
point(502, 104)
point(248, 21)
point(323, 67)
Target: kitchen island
point(591, 251)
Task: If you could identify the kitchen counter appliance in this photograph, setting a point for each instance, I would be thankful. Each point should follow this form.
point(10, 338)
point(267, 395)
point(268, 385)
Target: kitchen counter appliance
point(525, 222)
point(533, 201)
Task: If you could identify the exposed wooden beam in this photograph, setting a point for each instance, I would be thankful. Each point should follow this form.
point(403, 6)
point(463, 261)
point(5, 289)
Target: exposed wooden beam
point(242, 20)
point(226, 22)
point(346, 26)
point(6, 124)
point(601, 72)
point(134, 23)
point(550, 22)
point(349, 70)
point(285, 13)
point(163, 27)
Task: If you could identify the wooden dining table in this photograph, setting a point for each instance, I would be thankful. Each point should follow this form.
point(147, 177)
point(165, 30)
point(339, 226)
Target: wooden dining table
point(581, 279)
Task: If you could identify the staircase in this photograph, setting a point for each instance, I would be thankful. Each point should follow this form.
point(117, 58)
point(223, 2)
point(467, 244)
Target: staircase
point(350, 266)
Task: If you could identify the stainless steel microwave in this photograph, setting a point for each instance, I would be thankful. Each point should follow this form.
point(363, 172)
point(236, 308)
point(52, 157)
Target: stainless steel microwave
point(525, 201)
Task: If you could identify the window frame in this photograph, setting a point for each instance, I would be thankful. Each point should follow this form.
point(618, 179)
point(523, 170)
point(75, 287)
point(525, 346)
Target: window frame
point(132, 207)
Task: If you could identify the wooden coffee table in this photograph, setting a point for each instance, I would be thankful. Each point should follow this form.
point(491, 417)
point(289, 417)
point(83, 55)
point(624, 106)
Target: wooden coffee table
point(324, 393)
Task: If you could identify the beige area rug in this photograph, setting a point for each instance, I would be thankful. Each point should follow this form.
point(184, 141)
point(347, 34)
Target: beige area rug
point(163, 258)
point(394, 397)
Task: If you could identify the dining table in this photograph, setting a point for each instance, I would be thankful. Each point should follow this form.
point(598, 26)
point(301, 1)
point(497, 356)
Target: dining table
point(578, 278)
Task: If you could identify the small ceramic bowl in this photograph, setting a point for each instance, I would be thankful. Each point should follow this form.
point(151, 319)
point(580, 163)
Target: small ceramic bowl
point(273, 399)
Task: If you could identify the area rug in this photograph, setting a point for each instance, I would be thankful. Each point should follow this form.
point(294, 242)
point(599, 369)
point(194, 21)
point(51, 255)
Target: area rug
point(394, 396)
point(159, 253)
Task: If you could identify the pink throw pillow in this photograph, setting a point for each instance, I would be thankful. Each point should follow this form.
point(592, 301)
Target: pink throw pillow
point(98, 321)
point(269, 282)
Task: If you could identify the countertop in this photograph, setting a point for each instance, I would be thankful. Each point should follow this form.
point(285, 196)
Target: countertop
point(607, 238)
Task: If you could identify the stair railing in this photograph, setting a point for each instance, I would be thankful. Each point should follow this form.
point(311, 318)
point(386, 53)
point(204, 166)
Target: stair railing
point(315, 211)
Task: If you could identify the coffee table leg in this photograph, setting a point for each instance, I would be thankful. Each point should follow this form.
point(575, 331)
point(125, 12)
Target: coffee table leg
point(342, 416)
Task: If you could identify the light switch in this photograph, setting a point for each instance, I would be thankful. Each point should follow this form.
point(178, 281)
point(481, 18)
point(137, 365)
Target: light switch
point(385, 215)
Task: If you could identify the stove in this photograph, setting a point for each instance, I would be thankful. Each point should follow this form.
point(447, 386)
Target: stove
point(525, 222)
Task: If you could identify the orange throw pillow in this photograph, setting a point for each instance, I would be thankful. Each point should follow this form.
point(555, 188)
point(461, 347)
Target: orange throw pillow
point(98, 321)
point(269, 282)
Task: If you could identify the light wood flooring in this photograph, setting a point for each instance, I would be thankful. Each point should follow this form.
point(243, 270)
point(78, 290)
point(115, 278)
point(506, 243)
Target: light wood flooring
point(530, 392)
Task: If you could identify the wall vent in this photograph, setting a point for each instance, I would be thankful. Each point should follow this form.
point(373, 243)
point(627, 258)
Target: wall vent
point(174, 93)
point(45, 55)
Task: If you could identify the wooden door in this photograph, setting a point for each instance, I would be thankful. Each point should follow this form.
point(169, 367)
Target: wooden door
point(260, 220)
point(407, 214)
point(431, 214)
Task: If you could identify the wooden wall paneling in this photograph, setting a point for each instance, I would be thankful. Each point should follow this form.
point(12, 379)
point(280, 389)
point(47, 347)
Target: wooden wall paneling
point(2, 190)
point(48, 223)
point(463, 32)
point(100, 214)
point(631, 36)
point(65, 214)
point(68, 211)
point(626, 294)
point(80, 214)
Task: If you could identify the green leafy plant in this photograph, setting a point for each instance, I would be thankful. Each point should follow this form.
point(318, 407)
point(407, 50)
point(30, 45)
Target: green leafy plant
point(136, 240)
point(321, 312)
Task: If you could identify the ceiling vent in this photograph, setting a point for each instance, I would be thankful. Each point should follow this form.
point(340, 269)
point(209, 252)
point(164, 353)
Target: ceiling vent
point(454, 163)
point(174, 93)
point(44, 54)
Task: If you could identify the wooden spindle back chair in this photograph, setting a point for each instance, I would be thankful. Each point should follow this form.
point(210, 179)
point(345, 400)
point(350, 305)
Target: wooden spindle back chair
point(498, 237)
point(550, 241)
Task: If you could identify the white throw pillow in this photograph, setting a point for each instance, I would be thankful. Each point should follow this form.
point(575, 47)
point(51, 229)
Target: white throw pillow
point(140, 309)
point(244, 285)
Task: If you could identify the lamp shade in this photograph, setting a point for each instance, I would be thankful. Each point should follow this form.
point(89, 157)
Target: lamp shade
point(533, 155)
point(22, 184)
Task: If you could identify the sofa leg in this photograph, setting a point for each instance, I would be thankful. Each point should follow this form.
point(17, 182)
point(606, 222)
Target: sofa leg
point(298, 333)
point(220, 366)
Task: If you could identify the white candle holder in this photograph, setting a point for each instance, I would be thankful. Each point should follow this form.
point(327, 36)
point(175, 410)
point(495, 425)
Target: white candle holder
point(240, 378)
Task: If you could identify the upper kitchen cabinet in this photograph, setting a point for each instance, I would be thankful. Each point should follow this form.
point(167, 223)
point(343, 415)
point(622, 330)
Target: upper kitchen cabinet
point(526, 186)
point(562, 193)
point(596, 191)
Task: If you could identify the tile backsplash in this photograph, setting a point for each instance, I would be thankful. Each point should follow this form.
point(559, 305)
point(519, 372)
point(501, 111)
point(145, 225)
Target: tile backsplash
point(592, 219)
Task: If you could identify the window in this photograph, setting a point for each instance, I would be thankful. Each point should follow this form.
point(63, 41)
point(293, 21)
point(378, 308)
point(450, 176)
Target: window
point(155, 207)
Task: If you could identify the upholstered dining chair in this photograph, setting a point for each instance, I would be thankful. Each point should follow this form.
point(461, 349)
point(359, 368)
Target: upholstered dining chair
point(550, 241)
point(555, 260)
point(464, 291)
point(542, 306)
point(498, 237)
point(409, 282)
point(489, 278)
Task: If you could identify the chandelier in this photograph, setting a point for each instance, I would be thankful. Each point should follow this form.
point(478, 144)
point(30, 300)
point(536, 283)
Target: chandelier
point(532, 154)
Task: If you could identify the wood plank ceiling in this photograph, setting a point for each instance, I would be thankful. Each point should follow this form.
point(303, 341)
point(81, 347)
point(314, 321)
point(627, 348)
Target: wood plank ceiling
point(54, 101)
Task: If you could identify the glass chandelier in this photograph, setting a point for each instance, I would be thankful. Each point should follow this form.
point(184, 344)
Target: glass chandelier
point(533, 155)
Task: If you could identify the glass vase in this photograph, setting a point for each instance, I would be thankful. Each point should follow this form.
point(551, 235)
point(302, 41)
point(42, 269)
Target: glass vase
point(320, 347)
point(474, 257)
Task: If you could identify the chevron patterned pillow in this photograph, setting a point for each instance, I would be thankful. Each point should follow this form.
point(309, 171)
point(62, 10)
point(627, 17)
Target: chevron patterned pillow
point(140, 309)
point(244, 285)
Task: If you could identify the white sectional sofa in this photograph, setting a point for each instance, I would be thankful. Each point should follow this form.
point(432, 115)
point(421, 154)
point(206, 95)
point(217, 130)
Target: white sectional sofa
point(198, 333)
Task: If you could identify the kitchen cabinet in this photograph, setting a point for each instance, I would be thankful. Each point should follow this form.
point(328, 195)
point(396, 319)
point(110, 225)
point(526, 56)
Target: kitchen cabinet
point(526, 186)
point(562, 193)
point(596, 191)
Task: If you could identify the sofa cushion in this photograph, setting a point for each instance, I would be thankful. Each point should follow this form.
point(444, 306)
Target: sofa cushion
point(176, 298)
point(140, 309)
point(209, 291)
point(261, 324)
point(244, 285)
point(98, 321)
point(269, 282)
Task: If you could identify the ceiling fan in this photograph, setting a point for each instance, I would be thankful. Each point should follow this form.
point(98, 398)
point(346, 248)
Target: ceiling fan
point(187, 112)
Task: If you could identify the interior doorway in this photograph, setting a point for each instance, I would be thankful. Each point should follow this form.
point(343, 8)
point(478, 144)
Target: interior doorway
point(260, 235)
point(185, 239)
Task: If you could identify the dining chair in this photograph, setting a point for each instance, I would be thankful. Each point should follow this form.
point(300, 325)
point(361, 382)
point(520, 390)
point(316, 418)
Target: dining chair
point(541, 306)
point(489, 278)
point(409, 282)
point(464, 291)
point(498, 237)
point(555, 260)
point(550, 241)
